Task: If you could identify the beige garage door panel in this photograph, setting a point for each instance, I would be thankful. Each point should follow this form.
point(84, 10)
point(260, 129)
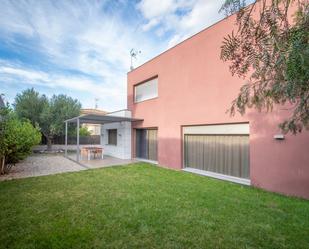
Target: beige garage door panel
point(152, 144)
point(220, 129)
point(224, 154)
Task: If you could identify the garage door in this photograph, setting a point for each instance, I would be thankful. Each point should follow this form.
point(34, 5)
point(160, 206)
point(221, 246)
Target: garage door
point(216, 149)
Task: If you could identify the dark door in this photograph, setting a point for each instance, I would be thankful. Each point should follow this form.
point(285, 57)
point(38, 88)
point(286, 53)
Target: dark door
point(146, 144)
point(141, 143)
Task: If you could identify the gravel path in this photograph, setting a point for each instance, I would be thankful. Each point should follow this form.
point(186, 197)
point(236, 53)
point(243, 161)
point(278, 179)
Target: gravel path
point(41, 164)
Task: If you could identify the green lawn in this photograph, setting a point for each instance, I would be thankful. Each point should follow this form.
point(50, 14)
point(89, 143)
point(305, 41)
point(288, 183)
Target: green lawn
point(144, 206)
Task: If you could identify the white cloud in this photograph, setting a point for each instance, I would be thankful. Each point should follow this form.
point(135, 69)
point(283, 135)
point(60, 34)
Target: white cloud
point(196, 15)
point(79, 36)
point(12, 74)
point(152, 23)
point(157, 13)
point(94, 39)
point(151, 8)
point(29, 75)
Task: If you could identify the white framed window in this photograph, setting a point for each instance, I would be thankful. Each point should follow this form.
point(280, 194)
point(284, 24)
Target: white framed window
point(146, 90)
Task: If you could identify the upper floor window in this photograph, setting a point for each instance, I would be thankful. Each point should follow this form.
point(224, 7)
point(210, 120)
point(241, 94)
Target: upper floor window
point(146, 90)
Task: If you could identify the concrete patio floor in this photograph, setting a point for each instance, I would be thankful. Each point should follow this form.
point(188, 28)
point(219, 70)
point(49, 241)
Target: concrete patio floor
point(40, 165)
point(99, 163)
point(49, 164)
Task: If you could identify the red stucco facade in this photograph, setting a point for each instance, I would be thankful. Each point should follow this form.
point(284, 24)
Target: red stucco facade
point(196, 88)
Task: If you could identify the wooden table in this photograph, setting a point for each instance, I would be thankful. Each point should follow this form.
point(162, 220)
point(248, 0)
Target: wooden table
point(95, 150)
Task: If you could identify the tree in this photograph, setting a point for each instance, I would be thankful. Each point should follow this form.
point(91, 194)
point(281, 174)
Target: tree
point(272, 54)
point(84, 132)
point(59, 108)
point(29, 105)
point(51, 114)
point(1, 101)
point(16, 139)
point(230, 7)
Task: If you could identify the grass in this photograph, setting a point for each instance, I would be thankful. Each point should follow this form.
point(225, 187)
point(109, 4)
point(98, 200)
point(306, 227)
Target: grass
point(143, 206)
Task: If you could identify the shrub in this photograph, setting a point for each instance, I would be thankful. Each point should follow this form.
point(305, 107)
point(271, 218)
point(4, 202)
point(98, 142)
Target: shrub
point(16, 139)
point(83, 131)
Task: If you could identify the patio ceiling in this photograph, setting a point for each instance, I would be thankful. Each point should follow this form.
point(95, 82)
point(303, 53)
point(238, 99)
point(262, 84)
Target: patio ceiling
point(100, 119)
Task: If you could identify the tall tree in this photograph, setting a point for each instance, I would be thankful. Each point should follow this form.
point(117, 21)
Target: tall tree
point(59, 108)
point(47, 114)
point(29, 104)
point(1, 100)
point(270, 49)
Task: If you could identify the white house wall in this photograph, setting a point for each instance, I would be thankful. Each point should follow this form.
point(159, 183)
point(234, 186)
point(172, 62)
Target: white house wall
point(123, 148)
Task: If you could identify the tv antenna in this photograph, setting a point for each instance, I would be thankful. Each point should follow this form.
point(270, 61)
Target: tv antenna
point(96, 103)
point(133, 54)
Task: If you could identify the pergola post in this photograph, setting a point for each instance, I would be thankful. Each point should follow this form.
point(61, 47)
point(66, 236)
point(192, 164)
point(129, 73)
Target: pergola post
point(66, 139)
point(77, 131)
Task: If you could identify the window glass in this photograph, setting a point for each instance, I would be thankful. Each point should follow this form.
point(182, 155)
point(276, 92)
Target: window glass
point(147, 90)
point(112, 136)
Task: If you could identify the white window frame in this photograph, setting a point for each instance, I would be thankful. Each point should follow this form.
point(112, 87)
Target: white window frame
point(143, 83)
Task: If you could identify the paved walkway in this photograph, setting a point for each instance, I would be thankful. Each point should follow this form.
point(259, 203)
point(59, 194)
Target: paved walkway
point(41, 164)
point(99, 163)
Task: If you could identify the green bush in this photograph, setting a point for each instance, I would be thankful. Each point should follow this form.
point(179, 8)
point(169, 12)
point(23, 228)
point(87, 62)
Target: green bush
point(16, 139)
point(83, 131)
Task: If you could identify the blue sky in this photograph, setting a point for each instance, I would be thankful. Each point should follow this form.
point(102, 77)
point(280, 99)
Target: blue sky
point(81, 48)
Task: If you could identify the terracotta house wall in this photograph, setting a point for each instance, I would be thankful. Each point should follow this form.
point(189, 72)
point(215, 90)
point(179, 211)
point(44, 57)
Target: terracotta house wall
point(196, 87)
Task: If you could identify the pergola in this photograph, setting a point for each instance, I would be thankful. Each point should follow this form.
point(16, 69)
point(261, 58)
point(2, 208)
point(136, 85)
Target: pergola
point(92, 119)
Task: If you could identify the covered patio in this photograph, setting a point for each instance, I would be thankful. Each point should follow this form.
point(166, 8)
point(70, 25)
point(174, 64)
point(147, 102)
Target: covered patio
point(106, 154)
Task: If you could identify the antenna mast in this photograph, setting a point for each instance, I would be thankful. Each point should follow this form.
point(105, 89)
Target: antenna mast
point(96, 103)
point(133, 54)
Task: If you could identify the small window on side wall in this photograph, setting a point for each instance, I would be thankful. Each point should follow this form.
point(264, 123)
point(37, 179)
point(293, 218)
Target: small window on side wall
point(112, 137)
point(146, 90)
